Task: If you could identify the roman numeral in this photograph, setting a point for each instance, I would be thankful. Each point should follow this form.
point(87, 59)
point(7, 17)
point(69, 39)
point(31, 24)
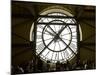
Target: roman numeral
point(66, 53)
point(40, 47)
point(56, 56)
point(52, 56)
point(62, 55)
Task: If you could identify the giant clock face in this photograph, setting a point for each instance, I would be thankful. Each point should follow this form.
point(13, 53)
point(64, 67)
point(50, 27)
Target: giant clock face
point(56, 38)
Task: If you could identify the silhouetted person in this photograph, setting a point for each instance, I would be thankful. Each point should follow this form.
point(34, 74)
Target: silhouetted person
point(58, 66)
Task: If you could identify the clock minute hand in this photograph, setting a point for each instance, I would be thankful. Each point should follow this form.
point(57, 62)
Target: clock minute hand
point(59, 32)
point(49, 32)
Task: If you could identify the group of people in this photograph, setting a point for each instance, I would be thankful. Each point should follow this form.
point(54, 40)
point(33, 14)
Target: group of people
point(40, 66)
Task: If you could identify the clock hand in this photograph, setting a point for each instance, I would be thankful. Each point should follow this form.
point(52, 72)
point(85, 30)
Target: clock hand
point(46, 30)
point(52, 31)
point(59, 32)
point(49, 32)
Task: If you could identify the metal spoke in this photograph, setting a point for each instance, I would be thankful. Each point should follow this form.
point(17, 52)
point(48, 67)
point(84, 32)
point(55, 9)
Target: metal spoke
point(54, 27)
point(65, 34)
point(68, 33)
point(59, 27)
point(44, 40)
point(59, 45)
point(56, 56)
point(52, 55)
point(54, 46)
point(68, 40)
point(41, 32)
point(61, 56)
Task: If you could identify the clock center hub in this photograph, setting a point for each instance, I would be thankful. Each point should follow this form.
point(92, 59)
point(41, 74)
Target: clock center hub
point(56, 38)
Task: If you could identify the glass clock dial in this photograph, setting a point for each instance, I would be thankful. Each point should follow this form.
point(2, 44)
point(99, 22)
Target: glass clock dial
point(56, 38)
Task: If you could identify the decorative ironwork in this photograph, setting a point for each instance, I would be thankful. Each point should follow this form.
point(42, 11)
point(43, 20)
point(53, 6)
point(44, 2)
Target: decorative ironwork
point(56, 37)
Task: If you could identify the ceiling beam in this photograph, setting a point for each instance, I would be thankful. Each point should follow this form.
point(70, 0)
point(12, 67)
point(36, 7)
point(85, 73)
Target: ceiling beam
point(80, 12)
point(19, 37)
point(92, 35)
point(21, 23)
point(90, 49)
point(23, 45)
point(93, 26)
point(22, 52)
point(19, 15)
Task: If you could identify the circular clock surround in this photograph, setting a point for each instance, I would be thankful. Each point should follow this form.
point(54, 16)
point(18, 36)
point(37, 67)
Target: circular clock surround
point(45, 56)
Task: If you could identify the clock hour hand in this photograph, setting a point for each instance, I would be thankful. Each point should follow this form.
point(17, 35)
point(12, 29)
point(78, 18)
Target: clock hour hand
point(49, 32)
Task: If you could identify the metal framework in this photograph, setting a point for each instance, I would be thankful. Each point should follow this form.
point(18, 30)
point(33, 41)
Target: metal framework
point(56, 37)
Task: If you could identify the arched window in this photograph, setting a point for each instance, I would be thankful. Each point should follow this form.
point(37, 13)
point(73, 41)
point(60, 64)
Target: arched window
point(56, 37)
